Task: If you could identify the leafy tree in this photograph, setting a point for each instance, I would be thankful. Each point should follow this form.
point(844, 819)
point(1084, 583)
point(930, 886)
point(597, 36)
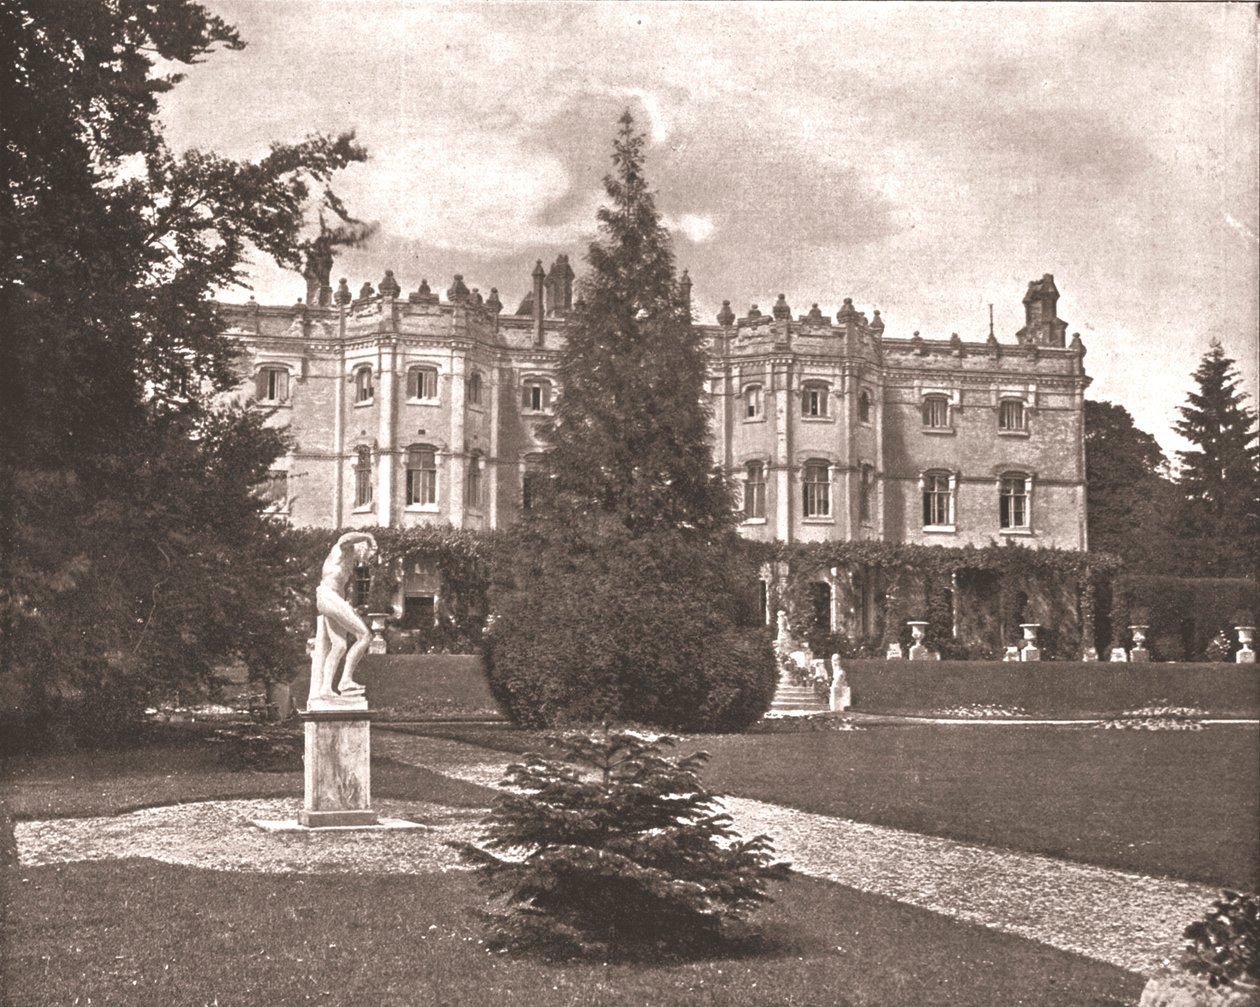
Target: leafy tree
point(631, 433)
point(616, 849)
point(621, 595)
point(1220, 475)
point(133, 548)
point(1130, 499)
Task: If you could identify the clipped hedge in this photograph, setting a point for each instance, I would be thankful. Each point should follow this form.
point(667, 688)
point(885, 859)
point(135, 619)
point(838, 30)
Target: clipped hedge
point(654, 630)
point(1184, 613)
point(1051, 688)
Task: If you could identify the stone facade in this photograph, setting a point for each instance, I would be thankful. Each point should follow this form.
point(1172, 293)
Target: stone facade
point(411, 408)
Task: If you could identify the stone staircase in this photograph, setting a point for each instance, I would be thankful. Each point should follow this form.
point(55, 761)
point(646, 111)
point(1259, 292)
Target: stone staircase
point(792, 699)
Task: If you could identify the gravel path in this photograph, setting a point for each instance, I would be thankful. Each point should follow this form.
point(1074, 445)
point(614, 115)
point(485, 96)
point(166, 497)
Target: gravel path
point(1124, 919)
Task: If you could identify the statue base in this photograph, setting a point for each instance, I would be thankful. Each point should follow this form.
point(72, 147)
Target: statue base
point(1139, 655)
point(338, 764)
point(1030, 654)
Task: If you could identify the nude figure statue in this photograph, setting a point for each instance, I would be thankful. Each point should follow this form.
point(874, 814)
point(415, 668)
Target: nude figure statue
point(337, 620)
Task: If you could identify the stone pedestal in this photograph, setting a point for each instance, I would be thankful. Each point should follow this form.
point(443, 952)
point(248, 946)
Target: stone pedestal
point(338, 772)
point(918, 652)
point(1011, 653)
point(1139, 655)
point(1119, 655)
point(1030, 653)
point(1091, 654)
point(894, 653)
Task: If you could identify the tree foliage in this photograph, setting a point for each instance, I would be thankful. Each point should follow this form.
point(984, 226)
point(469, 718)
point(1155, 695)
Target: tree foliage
point(631, 432)
point(617, 849)
point(1220, 475)
point(133, 548)
point(1130, 499)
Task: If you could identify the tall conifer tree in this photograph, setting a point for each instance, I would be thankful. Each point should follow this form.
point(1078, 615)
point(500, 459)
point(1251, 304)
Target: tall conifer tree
point(1220, 476)
point(631, 434)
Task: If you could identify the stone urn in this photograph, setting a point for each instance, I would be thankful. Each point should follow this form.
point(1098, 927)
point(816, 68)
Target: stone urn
point(376, 620)
point(1139, 651)
point(1030, 651)
point(1246, 635)
point(918, 629)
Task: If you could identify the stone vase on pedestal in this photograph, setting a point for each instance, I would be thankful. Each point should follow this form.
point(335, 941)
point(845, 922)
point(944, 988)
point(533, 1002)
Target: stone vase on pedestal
point(1246, 634)
point(377, 621)
point(1030, 651)
point(1139, 653)
point(918, 652)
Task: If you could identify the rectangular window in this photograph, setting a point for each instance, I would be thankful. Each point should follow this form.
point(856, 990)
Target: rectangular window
point(1011, 415)
point(536, 396)
point(363, 390)
point(864, 492)
point(421, 477)
point(817, 486)
point(1013, 506)
point(755, 490)
point(474, 389)
point(752, 402)
point(814, 400)
point(937, 509)
point(422, 383)
point(362, 585)
point(936, 412)
point(363, 483)
point(474, 483)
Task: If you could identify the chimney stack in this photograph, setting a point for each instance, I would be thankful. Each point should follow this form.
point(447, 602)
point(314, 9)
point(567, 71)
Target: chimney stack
point(539, 276)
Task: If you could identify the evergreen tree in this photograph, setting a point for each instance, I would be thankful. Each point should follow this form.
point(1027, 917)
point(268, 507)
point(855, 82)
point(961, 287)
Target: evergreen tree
point(133, 548)
point(1220, 475)
point(631, 433)
point(617, 849)
point(624, 595)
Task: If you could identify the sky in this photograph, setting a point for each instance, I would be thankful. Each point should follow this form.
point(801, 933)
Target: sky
point(923, 159)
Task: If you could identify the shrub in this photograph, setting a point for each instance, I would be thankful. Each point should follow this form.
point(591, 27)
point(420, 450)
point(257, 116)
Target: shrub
point(1224, 946)
point(616, 849)
point(654, 629)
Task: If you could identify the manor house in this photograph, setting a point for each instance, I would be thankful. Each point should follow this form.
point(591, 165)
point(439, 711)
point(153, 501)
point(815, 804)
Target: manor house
point(411, 408)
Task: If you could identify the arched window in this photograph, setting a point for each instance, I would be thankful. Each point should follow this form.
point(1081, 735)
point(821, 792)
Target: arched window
point(474, 389)
point(936, 412)
point(816, 483)
point(364, 391)
point(814, 399)
point(1013, 511)
point(536, 395)
point(474, 481)
point(752, 402)
point(1012, 416)
point(864, 406)
point(271, 384)
point(421, 476)
point(938, 499)
point(422, 384)
point(363, 477)
point(754, 490)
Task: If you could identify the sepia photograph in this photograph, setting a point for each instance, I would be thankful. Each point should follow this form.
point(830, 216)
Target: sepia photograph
point(593, 504)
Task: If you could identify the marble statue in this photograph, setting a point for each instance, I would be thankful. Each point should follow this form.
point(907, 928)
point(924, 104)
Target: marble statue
point(337, 621)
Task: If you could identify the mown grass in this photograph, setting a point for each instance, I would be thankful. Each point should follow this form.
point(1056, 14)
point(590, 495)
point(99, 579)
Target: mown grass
point(142, 933)
point(1178, 803)
point(180, 765)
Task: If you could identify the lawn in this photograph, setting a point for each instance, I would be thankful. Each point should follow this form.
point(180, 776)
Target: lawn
point(138, 932)
point(1179, 803)
point(142, 932)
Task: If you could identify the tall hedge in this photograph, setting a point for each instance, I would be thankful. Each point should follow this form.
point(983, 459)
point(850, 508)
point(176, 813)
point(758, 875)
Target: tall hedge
point(1183, 613)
